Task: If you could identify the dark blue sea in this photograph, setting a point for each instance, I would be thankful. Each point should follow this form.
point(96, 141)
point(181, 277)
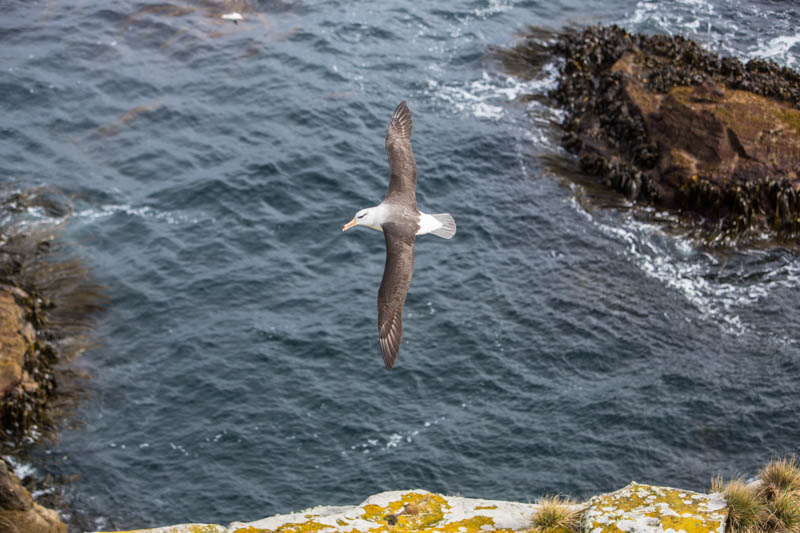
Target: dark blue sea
point(562, 342)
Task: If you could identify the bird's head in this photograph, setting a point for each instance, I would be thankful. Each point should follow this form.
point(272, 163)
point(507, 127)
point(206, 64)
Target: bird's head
point(366, 217)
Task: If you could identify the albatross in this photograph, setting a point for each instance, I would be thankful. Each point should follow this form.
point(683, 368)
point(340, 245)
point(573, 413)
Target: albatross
point(400, 221)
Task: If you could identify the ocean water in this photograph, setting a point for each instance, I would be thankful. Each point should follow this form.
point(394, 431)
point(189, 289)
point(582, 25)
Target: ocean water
point(560, 343)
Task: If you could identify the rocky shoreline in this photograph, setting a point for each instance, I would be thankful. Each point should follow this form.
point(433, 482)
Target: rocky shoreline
point(671, 125)
point(47, 304)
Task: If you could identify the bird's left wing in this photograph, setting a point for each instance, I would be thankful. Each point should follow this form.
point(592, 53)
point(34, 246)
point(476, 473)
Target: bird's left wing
point(394, 287)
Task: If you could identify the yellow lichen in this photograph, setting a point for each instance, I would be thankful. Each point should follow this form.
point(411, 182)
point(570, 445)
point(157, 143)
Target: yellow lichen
point(302, 527)
point(189, 528)
point(431, 509)
point(205, 528)
point(487, 507)
point(476, 524)
point(674, 509)
point(295, 527)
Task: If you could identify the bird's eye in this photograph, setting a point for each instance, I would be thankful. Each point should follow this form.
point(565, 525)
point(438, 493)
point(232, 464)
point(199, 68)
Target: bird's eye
point(362, 215)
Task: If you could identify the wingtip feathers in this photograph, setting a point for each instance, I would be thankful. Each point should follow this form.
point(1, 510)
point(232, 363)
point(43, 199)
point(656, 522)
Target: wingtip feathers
point(401, 119)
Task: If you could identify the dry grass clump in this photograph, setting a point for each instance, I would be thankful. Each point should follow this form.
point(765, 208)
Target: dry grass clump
point(746, 510)
point(780, 475)
point(556, 514)
point(784, 513)
point(772, 507)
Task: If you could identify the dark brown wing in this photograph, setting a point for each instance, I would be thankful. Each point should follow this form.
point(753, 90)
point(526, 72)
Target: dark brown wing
point(394, 287)
point(402, 166)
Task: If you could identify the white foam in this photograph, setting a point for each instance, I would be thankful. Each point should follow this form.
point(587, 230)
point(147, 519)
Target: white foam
point(94, 213)
point(725, 26)
point(675, 18)
point(777, 48)
point(20, 469)
point(493, 8)
point(488, 96)
point(392, 440)
point(674, 262)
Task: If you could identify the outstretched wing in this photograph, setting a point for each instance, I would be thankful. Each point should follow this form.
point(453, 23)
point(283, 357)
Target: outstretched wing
point(402, 166)
point(394, 287)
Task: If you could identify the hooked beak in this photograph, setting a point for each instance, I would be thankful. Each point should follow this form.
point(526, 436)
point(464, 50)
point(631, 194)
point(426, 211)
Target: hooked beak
point(349, 224)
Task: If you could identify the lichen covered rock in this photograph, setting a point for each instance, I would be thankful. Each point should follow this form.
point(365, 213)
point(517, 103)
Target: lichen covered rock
point(633, 509)
point(649, 509)
point(390, 512)
point(399, 512)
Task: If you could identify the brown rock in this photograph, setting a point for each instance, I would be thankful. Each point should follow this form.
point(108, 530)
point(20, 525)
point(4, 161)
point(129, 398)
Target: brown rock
point(12, 344)
point(667, 123)
point(708, 132)
point(19, 513)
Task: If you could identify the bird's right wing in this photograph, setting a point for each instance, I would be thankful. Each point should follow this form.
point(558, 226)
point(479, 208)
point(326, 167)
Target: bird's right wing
point(402, 165)
point(392, 294)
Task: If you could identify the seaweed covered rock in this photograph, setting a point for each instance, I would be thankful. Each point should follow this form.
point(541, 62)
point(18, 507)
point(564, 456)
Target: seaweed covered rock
point(663, 121)
point(47, 306)
point(47, 301)
point(19, 513)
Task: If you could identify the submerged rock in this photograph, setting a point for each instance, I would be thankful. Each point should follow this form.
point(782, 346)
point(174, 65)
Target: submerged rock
point(667, 123)
point(636, 508)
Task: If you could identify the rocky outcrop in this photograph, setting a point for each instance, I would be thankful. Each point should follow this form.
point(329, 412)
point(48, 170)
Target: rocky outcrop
point(19, 513)
point(13, 344)
point(636, 508)
point(646, 508)
point(46, 305)
point(667, 123)
point(19, 391)
point(27, 378)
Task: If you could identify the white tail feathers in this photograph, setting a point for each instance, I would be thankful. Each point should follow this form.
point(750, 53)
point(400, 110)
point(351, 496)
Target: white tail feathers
point(448, 226)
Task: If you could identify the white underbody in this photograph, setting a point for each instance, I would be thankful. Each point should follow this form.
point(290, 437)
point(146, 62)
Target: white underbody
point(380, 214)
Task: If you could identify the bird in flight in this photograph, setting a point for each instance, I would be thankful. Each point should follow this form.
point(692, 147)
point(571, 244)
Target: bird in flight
point(400, 221)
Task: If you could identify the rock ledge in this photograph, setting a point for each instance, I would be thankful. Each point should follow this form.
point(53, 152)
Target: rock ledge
point(634, 509)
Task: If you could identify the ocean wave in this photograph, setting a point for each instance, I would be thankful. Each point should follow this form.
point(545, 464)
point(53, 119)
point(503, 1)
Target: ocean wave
point(170, 217)
point(779, 48)
point(726, 27)
point(488, 96)
point(712, 288)
point(21, 470)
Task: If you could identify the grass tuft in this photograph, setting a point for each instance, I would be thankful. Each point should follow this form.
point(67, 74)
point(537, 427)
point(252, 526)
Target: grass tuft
point(783, 513)
point(774, 507)
point(780, 476)
point(746, 510)
point(556, 514)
